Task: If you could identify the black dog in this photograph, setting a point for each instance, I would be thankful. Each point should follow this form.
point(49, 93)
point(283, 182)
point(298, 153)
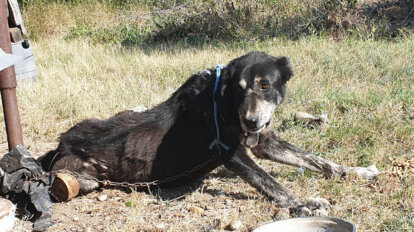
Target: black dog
point(186, 137)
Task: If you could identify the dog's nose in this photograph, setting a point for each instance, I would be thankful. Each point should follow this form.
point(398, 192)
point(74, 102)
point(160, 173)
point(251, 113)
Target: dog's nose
point(250, 122)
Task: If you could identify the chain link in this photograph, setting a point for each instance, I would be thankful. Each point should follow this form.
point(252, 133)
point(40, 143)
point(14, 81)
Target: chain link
point(136, 185)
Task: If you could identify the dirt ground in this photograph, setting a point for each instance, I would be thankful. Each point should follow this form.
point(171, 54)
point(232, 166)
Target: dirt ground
point(212, 203)
point(209, 204)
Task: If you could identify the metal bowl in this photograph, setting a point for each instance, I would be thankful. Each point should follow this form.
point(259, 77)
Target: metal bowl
point(308, 224)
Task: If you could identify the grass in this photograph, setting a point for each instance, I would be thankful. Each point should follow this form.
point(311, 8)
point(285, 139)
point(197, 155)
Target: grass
point(144, 23)
point(365, 88)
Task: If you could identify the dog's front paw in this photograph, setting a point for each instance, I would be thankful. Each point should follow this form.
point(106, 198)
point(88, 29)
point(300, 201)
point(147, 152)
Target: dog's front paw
point(318, 203)
point(314, 206)
point(303, 211)
point(368, 173)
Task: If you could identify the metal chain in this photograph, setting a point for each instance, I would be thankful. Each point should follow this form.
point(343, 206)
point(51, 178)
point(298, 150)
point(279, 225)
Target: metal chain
point(136, 185)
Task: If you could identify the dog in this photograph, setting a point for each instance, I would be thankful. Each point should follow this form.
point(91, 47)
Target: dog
point(215, 118)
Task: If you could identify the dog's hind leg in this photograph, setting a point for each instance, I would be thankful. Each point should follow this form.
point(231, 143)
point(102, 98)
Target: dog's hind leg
point(247, 169)
point(273, 148)
point(82, 170)
point(87, 185)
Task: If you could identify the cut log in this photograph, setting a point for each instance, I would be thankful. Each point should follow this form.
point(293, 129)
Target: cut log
point(64, 187)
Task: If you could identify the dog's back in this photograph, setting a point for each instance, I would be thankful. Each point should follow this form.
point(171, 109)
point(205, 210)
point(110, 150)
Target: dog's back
point(94, 146)
point(133, 146)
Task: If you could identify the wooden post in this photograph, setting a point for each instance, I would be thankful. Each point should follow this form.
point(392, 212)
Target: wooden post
point(8, 86)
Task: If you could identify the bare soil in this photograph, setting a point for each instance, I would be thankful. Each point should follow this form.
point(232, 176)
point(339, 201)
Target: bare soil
point(212, 203)
point(209, 204)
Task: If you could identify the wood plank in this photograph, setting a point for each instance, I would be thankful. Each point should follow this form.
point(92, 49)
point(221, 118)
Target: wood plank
point(15, 15)
point(15, 34)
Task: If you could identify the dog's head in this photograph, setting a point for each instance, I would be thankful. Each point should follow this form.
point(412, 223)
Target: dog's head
point(257, 84)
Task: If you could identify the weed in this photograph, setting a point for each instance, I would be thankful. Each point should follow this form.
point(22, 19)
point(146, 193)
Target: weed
point(198, 22)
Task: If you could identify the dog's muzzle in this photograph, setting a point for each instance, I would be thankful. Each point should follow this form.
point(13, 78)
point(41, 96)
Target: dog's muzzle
point(252, 125)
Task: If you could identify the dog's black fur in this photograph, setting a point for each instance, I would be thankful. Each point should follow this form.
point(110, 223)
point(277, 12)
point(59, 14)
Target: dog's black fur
point(173, 138)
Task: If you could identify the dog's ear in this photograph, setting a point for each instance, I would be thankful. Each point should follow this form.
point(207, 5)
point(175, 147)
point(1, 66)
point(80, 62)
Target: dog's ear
point(285, 67)
point(227, 75)
point(226, 78)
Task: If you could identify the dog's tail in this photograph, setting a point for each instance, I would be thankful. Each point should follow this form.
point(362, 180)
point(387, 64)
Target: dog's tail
point(49, 159)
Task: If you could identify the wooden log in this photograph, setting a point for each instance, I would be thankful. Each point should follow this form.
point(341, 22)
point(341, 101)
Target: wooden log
point(64, 187)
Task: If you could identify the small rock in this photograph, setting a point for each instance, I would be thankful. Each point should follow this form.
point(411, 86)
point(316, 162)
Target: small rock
point(196, 210)
point(76, 218)
point(103, 197)
point(160, 226)
point(234, 225)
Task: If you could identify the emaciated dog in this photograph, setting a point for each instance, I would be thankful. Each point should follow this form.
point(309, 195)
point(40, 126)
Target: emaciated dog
point(203, 125)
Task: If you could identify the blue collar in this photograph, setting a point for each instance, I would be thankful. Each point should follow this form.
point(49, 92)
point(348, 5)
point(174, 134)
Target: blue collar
point(216, 142)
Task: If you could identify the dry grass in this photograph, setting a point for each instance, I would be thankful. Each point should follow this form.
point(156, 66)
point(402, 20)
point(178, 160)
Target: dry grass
point(102, 20)
point(365, 87)
point(198, 22)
